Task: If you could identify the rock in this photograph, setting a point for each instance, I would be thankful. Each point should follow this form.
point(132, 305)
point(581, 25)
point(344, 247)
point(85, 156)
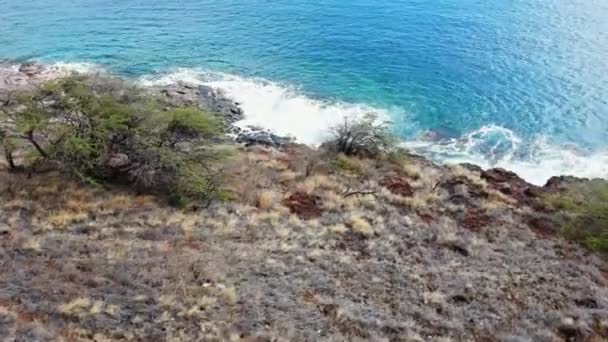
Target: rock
point(499, 175)
point(462, 192)
point(31, 69)
point(471, 167)
point(257, 136)
point(561, 182)
point(25, 76)
point(118, 160)
point(543, 225)
point(205, 97)
point(509, 183)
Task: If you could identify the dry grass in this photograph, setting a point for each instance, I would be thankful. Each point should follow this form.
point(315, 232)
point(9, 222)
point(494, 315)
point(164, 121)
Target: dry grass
point(110, 265)
point(360, 225)
point(267, 199)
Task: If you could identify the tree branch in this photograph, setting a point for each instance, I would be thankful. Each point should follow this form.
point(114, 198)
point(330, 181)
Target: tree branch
point(30, 138)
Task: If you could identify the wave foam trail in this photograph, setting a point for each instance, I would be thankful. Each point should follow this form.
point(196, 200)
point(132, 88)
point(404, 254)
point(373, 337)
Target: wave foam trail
point(535, 161)
point(267, 104)
point(73, 67)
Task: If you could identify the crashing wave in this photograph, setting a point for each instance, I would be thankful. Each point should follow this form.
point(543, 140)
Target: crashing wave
point(281, 109)
point(535, 160)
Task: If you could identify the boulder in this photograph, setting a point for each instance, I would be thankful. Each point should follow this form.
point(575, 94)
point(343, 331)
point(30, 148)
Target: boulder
point(118, 160)
point(258, 136)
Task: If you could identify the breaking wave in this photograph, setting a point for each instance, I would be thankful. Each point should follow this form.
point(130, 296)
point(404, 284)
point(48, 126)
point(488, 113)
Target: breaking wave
point(536, 160)
point(282, 109)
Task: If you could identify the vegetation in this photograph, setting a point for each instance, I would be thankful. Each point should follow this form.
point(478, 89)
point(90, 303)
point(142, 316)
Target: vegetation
point(91, 131)
point(584, 213)
point(368, 137)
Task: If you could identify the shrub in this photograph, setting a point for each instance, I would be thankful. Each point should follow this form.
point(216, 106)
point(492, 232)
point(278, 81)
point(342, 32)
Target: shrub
point(583, 211)
point(367, 137)
point(348, 164)
point(102, 135)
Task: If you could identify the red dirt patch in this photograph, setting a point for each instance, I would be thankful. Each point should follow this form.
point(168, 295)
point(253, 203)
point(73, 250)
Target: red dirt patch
point(474, 220)
point(543, 226)
point(303, 205)
point(397, 186)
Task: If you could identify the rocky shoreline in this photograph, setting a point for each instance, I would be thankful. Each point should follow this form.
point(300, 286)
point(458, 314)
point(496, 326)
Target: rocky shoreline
point(23, 76)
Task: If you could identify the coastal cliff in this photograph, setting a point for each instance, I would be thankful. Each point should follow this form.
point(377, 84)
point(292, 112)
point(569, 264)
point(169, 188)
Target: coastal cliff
point(304, 248)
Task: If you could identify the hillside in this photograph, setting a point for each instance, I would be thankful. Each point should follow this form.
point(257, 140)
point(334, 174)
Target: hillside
point(345, 248)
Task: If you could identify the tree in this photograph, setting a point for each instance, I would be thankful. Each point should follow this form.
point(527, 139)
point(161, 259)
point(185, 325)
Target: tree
point(100, 137)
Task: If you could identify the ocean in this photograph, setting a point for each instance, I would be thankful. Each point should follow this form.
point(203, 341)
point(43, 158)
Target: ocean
point(519, 84)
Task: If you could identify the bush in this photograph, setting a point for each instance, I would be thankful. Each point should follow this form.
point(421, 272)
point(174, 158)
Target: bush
point(366, 137)
point(103, 135)
point(583, 211)
point(348, 165)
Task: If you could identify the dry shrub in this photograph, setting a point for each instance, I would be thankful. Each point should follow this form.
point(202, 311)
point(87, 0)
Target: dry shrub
point(267, 199)
point(360, 225)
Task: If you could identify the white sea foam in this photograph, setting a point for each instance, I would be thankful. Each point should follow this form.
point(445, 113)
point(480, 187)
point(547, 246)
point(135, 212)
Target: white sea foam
point(287, 111)
point(534, 160)
point(66, 68)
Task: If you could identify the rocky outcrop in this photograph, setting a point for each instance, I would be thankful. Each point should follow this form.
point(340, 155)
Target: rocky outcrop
point(216, 101)
point(258, 136)
point(204, 97)
point(15, 76)
point(561, 182)
point(509, 183)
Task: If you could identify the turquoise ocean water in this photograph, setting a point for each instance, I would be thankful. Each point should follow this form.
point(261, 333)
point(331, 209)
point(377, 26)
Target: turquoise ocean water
point(521, 84)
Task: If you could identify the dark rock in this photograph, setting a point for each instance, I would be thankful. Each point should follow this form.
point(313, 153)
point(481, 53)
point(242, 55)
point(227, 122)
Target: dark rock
point(499, 175)
point(257, 136)
point(586, 303)
point(561, 182)
point(458, 248)
point(472, 167)
point(543, 225)
point(462, 192)
point(204, 97)
point(460, 299)
point(509, 183)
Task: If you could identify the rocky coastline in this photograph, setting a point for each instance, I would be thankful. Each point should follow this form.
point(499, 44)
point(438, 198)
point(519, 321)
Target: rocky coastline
point(23, 76)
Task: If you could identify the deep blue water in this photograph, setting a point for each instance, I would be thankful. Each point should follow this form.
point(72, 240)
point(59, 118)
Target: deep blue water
point(521, 83)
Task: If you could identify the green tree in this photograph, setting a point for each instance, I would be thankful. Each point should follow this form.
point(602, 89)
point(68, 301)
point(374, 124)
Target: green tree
point(94, 133)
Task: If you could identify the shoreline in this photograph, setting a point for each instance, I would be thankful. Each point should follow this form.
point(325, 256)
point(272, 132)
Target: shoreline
point(248, 124)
